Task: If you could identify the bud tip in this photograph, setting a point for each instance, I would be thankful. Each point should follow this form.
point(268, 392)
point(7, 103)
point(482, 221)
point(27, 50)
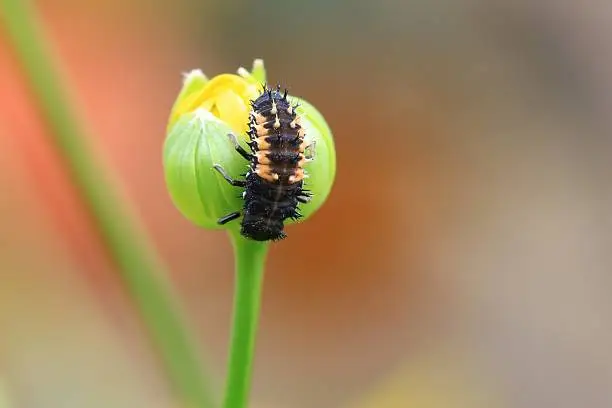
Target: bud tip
point(243, 72)
point(194, 73)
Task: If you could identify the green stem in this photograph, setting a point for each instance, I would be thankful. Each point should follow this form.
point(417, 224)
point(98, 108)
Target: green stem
point(126, 243)
point(250, 260)
point(4, 400)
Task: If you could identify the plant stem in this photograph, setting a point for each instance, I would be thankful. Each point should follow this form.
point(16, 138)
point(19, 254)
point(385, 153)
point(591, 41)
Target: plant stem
point(124, 241)
point(4, 400)
point(250, 260)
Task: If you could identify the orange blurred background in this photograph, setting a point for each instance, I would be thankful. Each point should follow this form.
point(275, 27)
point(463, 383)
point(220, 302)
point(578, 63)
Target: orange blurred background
point(462, 259)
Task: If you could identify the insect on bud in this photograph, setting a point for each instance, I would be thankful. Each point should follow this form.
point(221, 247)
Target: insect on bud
point(239, 156)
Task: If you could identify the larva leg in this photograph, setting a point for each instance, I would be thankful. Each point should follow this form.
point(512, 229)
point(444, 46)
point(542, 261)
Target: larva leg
point(303, 199)
point(229, 217)
point(296, 215)
point(239, 149)
point(311, 151)
point(304, 196)
point(235, 183)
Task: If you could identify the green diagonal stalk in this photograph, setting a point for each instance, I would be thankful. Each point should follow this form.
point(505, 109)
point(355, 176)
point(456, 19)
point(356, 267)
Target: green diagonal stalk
point(250, 258)
point(4, 400)
point(128, 246)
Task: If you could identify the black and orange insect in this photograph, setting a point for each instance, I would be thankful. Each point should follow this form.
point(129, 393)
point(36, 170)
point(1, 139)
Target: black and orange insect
point(273, 186)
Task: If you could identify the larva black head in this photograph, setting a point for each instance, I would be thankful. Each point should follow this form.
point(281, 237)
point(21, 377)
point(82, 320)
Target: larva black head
point(263, 103)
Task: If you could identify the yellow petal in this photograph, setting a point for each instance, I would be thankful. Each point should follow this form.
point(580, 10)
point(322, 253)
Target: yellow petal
point(225, 82)
point(233, 111)
point(226, 96)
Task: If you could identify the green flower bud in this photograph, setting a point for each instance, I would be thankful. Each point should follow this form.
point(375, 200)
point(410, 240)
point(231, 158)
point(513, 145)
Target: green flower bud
point(203, 115)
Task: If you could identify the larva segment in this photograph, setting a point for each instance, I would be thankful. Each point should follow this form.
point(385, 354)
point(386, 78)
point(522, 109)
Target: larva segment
point(303, 146)
point(258, 117)
point(262, 143)
point(261, 130)
point(265, 172)
point(262, 157)
point(297, 176)
point(295, 122)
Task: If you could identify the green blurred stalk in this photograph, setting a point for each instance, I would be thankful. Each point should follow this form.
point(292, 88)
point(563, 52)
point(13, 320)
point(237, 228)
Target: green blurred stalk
point(128, 246)
point(4, 400)
point(250, 261)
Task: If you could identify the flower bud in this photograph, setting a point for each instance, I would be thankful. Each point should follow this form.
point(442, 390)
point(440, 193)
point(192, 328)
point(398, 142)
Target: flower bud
point(203, 115)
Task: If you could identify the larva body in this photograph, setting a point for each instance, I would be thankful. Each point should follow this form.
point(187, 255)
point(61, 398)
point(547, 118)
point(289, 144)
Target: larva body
point(274, 182)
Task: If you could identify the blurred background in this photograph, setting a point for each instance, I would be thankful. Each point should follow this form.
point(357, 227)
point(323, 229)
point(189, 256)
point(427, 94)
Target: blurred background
point(462, 260)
